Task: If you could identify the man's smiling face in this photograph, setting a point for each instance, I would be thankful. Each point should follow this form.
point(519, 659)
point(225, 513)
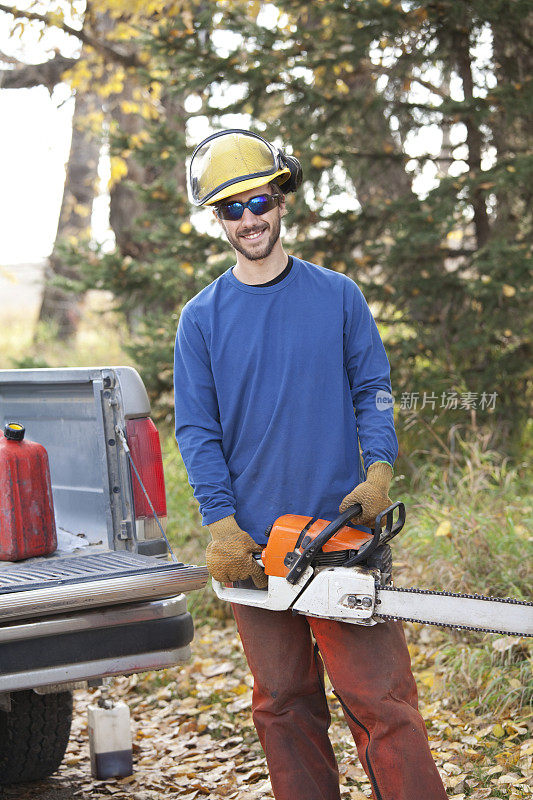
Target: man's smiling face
point(254, 236)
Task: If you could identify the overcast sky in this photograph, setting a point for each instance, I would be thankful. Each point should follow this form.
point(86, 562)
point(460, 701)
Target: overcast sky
point(35, 131)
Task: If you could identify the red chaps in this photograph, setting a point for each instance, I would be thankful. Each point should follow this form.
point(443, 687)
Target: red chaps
point(370, 670)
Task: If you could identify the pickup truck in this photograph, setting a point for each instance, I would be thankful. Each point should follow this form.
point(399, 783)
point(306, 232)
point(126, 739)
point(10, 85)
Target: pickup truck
point(108, 601)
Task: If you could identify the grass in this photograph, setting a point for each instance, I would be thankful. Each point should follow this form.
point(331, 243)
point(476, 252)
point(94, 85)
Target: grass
point(98, 340)
point(186, 534)
point(472, 535)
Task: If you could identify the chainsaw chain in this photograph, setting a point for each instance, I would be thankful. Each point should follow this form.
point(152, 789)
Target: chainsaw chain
point(512, 600)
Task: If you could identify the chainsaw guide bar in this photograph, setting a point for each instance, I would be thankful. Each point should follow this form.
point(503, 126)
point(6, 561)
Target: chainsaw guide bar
point(513, 616)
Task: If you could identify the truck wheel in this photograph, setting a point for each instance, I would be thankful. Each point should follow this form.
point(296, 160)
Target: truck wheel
point(34, 735)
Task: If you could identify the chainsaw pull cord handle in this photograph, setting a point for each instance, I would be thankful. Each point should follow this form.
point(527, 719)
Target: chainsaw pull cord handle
point(312, 549)
point(380, 537)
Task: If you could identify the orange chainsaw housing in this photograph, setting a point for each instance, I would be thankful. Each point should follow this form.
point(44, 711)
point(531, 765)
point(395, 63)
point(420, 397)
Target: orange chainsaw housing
point(287, 536)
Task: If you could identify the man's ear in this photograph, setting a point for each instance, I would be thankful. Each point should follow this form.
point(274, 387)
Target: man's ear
point(282, 206)
point(217, 218)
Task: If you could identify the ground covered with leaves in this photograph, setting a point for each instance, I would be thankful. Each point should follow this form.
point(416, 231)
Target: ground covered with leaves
point(193, 736)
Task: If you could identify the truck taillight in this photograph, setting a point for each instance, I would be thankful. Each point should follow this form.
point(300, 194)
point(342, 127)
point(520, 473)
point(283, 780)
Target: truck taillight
point(143, 441)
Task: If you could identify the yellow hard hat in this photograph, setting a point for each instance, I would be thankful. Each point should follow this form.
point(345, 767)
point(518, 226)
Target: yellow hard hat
point(234, 161)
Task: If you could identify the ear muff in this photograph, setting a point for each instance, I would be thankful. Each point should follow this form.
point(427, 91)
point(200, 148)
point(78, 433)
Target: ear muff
point(293, 182)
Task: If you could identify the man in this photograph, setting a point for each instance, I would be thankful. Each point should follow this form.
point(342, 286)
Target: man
point(271, 359)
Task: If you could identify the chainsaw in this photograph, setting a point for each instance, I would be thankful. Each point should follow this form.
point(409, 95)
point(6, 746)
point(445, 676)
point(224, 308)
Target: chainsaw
point(343, 572)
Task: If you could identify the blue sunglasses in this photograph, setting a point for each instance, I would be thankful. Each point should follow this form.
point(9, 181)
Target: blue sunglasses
point(258, 205)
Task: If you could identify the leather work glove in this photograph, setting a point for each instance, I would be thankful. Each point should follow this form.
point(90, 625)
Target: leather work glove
point(373, 494)
point(229, 554)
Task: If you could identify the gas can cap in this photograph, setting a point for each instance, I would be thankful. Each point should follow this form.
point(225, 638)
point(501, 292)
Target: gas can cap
point(14, 431)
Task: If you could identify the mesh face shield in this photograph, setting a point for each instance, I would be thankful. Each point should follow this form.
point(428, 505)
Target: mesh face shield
point(230, 162)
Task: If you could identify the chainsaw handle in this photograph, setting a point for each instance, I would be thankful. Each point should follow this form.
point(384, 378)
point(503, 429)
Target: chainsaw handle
point(380, 537)
point(312, 549)
point(391, 528)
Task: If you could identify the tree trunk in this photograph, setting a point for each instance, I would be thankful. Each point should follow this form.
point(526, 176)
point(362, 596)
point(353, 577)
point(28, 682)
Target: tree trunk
point(513, 66)
point(461, 45)
point(59, 307)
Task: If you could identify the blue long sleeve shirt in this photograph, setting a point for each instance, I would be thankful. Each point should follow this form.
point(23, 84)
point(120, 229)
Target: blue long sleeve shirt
point(266, 382)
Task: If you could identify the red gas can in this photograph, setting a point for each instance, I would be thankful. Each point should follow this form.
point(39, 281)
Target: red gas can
point(27, 522)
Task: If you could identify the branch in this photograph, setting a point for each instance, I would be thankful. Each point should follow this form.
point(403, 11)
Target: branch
point(130, 60)
point(426, 84)
point(401, 156)
point(25, 76)
point(451, 252)
point(394, 156)
point(8, 59)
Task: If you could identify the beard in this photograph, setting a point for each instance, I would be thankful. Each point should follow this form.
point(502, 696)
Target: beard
point(248, 249)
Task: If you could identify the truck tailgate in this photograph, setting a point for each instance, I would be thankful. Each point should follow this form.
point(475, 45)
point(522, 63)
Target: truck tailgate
point(48, 586)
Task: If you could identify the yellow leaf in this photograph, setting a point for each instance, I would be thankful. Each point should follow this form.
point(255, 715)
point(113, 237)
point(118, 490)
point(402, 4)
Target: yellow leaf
point(128, 107)
point(498, 731)
point(320, 162)
point(124, 31)
point(242, 688)
point(254, 7)
point(187, 268)
point(185, 227)
point(427, 677)
point(56, 18)
point(137, 139)
point(509, 778)
point(188, 20)
point(508, 291)
point(119, 169)
point(444, 529)
point(147, 111)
